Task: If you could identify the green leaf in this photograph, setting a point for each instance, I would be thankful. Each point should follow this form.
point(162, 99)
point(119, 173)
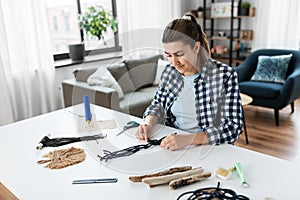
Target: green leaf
point(96, 21)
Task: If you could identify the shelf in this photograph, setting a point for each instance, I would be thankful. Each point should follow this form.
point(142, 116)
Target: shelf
point(227, 38)
point(244, 39)
point(208, 17)
point(242, 17)
point(218, 38)
point(217, 29)
point(234, 34)
point(236, 17)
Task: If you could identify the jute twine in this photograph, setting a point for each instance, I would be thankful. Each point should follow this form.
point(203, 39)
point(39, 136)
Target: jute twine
point(63, 158)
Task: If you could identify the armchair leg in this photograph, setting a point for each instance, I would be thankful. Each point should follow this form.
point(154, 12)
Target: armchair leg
point(276, 112)
point(292, 107)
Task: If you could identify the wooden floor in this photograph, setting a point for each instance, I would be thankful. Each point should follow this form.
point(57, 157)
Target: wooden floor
point(264, 136)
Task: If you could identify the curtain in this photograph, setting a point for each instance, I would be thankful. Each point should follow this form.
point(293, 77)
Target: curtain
point(26, 64)
point(277, 24)
point(141, 23)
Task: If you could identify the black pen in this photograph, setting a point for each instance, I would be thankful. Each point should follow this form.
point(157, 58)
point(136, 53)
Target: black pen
point(101, 180)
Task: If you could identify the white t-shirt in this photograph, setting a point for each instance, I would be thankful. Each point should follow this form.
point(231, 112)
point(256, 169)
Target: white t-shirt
point(184, 107)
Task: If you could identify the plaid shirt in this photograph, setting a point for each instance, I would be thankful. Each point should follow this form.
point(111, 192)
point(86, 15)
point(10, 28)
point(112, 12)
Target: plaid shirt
point(217, 96)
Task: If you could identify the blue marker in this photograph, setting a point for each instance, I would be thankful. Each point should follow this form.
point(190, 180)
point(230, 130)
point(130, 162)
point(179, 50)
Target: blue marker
point(88, 114)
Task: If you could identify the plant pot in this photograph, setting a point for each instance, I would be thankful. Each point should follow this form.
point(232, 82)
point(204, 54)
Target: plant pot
point(76, 52)
point(252, 11)
point(200, 14)
point(244, 11)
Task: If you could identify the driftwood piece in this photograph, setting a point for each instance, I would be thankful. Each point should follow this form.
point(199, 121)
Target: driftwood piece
point(162, 173)
point(160, 180)
point(188, 180)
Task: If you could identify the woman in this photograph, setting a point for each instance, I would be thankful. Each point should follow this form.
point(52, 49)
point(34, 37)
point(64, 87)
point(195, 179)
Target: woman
point(196, 94)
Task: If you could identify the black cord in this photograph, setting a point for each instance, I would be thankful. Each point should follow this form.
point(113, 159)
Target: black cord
point(108, 155)
point(55, 142)
point(213, 193)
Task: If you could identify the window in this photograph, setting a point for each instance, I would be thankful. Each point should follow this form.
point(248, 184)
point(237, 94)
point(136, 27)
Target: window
point(55, 28)
point(67, 23)
point(64, 27)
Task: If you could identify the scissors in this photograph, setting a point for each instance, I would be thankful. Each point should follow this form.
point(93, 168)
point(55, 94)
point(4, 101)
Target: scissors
point(130, 124)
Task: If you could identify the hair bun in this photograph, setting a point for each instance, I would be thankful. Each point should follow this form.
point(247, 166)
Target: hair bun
point(186, 17)
point(189, 16)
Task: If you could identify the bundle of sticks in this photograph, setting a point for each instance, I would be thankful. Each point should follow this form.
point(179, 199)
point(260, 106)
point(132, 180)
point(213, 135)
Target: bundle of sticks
point(176, 177)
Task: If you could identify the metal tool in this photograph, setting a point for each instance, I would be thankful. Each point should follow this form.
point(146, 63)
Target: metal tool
point(101, 180)
point(128, 125)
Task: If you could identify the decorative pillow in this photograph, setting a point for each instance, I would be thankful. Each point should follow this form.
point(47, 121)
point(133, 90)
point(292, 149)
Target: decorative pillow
point(142, 71)
point(272, 68)
point(104, 78)
point(161, 64)
point(120, 73)
point(83, 74)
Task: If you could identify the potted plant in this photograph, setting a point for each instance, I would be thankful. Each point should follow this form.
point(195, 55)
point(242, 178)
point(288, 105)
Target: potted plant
point(244, 10)
point(200, 11)
point(96, 21)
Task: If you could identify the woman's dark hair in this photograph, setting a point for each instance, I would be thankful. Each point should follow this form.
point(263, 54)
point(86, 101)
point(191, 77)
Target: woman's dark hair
point(188, 31)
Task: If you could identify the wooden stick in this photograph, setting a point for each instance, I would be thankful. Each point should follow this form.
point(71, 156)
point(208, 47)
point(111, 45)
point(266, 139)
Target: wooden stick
point(6, 194)
point(188, 180)
point(166, 172)
point(154, 181)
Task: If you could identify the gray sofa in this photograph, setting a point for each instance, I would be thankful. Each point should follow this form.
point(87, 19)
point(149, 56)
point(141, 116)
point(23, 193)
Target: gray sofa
point(136, 77)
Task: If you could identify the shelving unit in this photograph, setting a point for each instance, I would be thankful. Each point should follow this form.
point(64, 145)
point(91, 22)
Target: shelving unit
point(233, 56)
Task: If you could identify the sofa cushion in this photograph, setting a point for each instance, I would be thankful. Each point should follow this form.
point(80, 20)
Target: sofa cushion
point(83, 74)
point(272, 68)
point(104, 78)
point(260, 89)
point(136, 102)
point(142, 71)
point(120, 73)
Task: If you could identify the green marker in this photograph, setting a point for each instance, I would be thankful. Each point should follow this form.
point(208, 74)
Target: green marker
point(240, 172)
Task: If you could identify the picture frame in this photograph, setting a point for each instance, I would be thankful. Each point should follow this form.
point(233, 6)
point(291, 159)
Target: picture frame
point(246, 34)
point(223, 9)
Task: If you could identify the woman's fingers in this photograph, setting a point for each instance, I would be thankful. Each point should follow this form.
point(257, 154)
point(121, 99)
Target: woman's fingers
point(169, 142)
point(142, 132)
point(177, 141)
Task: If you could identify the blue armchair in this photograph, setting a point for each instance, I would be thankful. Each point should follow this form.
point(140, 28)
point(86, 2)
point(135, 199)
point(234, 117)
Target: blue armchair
point(269, 94)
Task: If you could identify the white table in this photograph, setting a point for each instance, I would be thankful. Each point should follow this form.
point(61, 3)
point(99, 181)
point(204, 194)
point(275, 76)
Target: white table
point(267, 176)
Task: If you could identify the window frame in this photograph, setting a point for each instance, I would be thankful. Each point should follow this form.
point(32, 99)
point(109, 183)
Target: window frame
point(117, 46)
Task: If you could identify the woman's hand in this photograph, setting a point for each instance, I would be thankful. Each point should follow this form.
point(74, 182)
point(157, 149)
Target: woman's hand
point(178, 141)
point(143, 132)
